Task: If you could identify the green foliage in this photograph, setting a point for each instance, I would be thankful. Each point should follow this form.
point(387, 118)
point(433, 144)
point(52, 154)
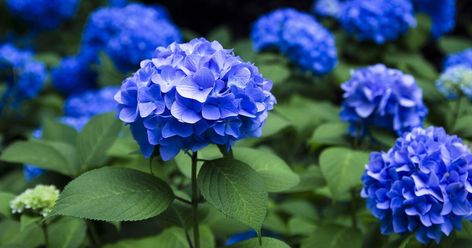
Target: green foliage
point(67, 232)
point(114, 194)
point(452, 44)
point(333, 236)
point(342, 169)
point(265, 243)
point(331, 133)
point(235, 189)
point(108, 74)
point(5, 199)
point(55, 131)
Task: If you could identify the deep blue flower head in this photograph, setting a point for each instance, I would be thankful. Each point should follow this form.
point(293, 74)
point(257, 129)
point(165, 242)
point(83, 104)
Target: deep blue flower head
point(91, 103)
point(25, 76)
point(43, 14)
point(463, 58)
point(117, 3)
point(299, 36)
point(129, 34)
point(455, 82)
point(74, 74)
point(328, 8)
point(193, 94)
point(442, 13)
point(382, 97)
point(379, 21)
point(420, 185)
point(233, 239)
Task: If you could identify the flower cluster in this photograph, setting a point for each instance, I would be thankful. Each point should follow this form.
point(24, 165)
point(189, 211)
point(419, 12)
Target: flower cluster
point(463, 58)
point(74, 75)
point(40, 200)
point(24, 76)
point(420, 185)
point(382, 97)
point(193, 94)
point(299, 36)
point(128, 34)
point(442, 13)
point(43, 14)
point(456, 81)
point(328, 8)
point(379, 21)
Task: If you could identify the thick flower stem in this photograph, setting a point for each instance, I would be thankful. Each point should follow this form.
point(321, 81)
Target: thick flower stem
point(196, 234)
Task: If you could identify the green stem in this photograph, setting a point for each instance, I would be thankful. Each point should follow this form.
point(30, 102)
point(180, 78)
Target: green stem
point(456, 114)
point(44, 227)
point(196, 234)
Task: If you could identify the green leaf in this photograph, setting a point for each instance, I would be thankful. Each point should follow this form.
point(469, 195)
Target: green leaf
point(386, 138)
point(418, 36)
point(96, 138)
point(462, 126)
point(310, 179)
point(56, 131)
point(184, 163)
point(342, 169)
point(452, 44)
point(114, 194)
point(27, 220)
point(266, 243)
point(41, 154)
point(50, 59)
point(301, 226)
point(331, 133)
point(333, 236)
point(276, 174)
point(235, 189)
point(278, 73)
point(108, 74)
point(5, 199)
point(222, 34)
point(274, 125)
point(67, 232)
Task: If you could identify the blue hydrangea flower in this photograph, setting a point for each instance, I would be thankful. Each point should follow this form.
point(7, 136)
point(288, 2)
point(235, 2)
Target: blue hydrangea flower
point(463, 58)
point(455, 82)
point(129, 34)
point(74, 74)
point(193, 94)
point(24, 76)
point(328, 8)
point(91, 103)
point(382, 97)
point(299, 36)
point(420, 185)
point(43, 14)
point(233, 239)
point(379, 21)
point(442, 13)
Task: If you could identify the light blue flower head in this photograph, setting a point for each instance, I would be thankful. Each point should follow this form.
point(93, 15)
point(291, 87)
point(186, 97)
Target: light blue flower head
point(193, 94)
point(456, 81)
point(463, 58)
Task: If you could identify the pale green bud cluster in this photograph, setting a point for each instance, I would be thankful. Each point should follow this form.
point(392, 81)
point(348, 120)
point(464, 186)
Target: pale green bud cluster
point(41, 199)
point(456, 81)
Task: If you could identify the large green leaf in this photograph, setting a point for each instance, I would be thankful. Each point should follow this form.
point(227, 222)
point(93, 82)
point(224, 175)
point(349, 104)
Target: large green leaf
point(55, 131)
point(235, 189)
point(342, 169)
point(114, 194)
point(274, 124)
point(41, 154)
point(452, 44)
point(266, 243)
point(333, 236)
point(96, 138)
point(276, 173)
point(5, 199)
point(108, 74)
point(331, 133)
point(67, 232)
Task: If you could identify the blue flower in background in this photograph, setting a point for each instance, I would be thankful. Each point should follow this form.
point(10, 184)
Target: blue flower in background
point(328, 8)
point(74, 74)
point(43, 14)
point(91, 103)
point(379, 21)
point(298, 36)
point(117, 3)
point(193, 94)
point(455, 82)
point(129, 34)
point(442, 13)
point(24, 76)
point(463, 58)
point(233, 239)
point(382, 97)
point(420, 185)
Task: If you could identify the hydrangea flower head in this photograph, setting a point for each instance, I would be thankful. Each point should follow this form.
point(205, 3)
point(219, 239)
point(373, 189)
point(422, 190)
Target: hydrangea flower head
point(193, 94)
point(40, 200)
point(128, 34)
point(25, 76)
point(74, 74)
point(463, 58)
point(328, 8)
point(298, 36)
point(442, 13)
point(382, 97)
point(420, 185)
point(455, 82)
point(43, 14)
point(379, 21)
point(91, 103)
